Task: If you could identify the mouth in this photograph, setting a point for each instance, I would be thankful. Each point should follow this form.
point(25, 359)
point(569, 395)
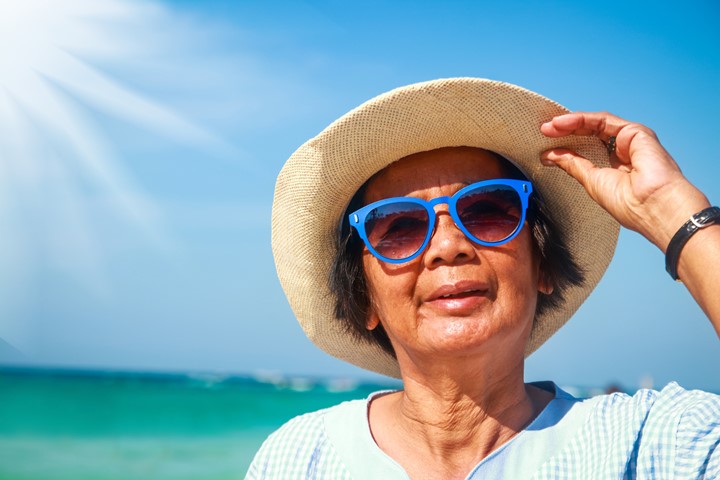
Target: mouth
point(465, 294)
point(459, 290)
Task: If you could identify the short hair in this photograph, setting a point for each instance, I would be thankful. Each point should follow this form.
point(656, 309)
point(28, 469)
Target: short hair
point(349, 285)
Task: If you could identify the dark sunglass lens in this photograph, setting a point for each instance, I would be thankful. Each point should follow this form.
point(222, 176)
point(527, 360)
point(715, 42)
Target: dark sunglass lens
point(490, 213)
point(397, 230)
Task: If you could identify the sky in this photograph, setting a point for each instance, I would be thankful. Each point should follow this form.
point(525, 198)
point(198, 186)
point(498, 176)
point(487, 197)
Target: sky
point(140, 142)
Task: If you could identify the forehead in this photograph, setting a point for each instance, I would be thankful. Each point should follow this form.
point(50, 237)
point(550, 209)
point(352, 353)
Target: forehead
point(445, 168)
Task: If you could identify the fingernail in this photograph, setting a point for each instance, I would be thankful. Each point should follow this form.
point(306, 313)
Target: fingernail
point(545, 158)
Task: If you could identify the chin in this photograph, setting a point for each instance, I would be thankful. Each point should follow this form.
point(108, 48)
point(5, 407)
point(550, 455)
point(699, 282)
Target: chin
point(464, 336)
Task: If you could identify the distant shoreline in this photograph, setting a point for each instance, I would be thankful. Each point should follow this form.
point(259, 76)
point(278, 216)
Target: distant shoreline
point(271, 377)
point(297, 382)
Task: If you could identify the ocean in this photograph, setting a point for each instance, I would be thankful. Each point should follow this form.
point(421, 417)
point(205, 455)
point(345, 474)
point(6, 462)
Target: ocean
point(84, 425)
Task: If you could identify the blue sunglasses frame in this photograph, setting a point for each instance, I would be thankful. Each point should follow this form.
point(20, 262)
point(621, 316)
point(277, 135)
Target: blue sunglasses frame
point(522, 187)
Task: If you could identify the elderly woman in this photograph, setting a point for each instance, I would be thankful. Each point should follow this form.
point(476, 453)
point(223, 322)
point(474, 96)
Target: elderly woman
point(429, 235)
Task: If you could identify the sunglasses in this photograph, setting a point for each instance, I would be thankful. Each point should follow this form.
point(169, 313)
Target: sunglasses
point(398, 229)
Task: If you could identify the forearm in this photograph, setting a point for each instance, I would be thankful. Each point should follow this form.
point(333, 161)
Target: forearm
point(699, 270)
point(698, 266)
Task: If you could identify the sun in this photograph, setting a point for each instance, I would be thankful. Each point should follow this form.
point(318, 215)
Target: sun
point(52, 154)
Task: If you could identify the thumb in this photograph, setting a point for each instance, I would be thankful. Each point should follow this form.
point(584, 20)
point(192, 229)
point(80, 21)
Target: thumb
point(578, 167)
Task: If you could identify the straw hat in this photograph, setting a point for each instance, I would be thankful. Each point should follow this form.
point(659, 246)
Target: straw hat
point(317, 182)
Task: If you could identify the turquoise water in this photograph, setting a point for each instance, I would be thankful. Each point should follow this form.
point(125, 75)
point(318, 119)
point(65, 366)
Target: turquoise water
point(84, 425)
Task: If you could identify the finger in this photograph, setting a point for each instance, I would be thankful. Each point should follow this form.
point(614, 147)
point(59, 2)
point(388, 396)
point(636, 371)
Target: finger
point(577, 166)
point(618, 134)
point(600, 124)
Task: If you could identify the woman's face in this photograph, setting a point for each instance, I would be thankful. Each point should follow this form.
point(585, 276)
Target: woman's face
point(457, 298)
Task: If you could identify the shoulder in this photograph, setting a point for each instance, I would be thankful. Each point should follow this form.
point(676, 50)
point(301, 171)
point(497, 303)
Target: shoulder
point(300, 449)
point(682, 433)
point(672, 405)
point(670, 433)
point(676, 400)
point(658, 413)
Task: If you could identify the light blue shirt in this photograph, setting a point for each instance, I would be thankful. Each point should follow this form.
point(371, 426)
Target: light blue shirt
point(673, 434)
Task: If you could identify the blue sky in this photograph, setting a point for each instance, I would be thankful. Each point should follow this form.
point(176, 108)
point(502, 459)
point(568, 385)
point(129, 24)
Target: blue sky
point(141, 141)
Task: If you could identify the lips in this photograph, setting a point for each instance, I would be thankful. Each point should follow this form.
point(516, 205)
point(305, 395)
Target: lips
point(458, 290)
point(462, 294)
point(459, 299)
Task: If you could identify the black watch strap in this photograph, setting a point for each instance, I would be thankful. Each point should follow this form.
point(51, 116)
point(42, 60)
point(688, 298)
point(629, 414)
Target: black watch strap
point(699, 220)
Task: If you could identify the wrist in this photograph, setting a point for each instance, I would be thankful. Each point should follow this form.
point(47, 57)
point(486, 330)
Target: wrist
point(665, 218)
point(702, 219)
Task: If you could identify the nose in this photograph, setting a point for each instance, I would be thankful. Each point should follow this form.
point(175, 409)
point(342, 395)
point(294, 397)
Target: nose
point(448, 244)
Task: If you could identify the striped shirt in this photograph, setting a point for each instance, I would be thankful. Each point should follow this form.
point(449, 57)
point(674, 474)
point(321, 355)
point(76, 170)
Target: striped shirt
point(670, 434)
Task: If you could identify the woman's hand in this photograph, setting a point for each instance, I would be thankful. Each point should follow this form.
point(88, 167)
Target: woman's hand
point(645, 191)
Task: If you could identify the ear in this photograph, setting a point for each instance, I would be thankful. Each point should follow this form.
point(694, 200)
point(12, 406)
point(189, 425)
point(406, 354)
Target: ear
point(544, 284)
point(373, 320)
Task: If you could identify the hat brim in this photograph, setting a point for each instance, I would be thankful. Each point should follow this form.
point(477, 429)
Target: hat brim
point(317, 182)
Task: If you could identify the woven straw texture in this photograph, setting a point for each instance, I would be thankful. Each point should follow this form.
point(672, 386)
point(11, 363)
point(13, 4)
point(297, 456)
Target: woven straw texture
point(317, 182)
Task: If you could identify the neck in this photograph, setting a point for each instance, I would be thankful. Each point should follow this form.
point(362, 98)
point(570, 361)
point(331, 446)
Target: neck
point(466, 408)
point(447, 420)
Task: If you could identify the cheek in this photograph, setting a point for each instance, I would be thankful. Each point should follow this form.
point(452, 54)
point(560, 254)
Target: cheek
point(519, 288)
point(519, 298)
point(391, 288)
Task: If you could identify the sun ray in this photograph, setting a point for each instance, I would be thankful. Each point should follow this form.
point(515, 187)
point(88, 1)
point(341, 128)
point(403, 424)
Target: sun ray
point(111, 97)
point(57, 164)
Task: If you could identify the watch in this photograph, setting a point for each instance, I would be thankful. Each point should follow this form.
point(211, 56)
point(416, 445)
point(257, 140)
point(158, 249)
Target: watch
point(699, 220)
